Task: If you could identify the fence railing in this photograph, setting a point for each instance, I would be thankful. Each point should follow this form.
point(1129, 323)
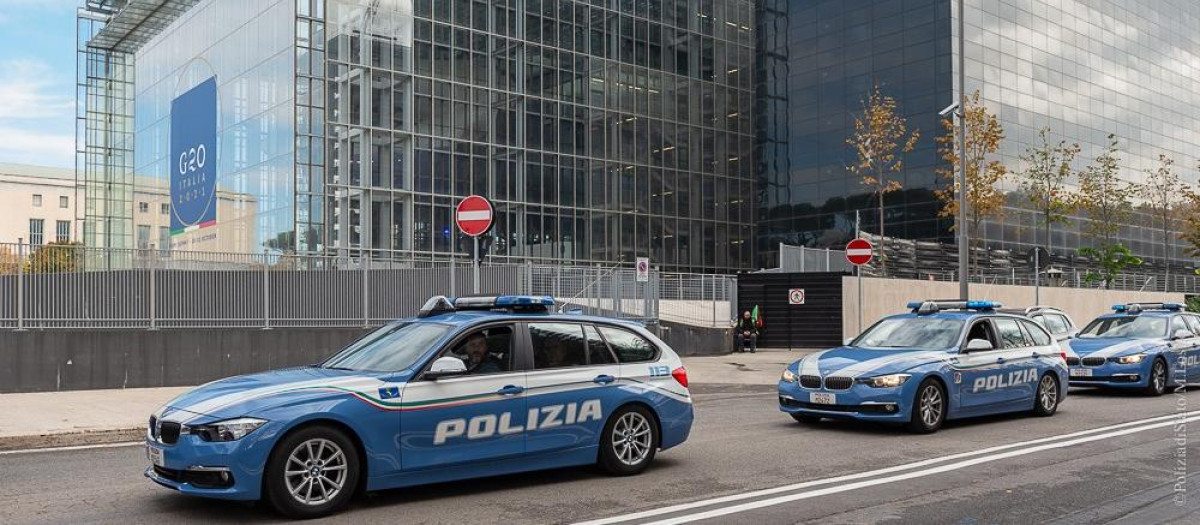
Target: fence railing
point(70, 286)
point(932, 261)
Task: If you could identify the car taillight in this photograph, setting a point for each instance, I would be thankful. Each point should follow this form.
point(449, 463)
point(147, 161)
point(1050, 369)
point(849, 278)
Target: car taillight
point(680, 374)
point(1064, 355)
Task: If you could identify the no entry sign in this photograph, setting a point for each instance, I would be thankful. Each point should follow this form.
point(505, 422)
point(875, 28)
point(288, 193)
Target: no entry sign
point(859, 252)
point(474, 216)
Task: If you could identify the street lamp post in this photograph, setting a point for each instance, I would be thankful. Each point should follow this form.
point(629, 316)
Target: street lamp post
point(964, 251)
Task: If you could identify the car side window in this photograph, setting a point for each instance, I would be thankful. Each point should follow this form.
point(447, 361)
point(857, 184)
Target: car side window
point(629, 347)
point(485, 351)
point(1010, 333)
point(557, 345)
point(1066, 322)
point(1177, 324)
point(1194, 322)
point(982, 329)
point(1037, 333)
point(598, 352)
point(1055, 323)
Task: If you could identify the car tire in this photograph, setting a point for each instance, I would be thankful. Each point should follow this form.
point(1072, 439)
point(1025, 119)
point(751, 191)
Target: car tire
point(1047, 396)
point(629, 441)
point(1156, 384)
point(330, 464)
point(928, 408)
point(806, 419)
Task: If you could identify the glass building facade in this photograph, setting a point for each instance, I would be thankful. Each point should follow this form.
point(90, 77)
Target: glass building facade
point(602, 130)
point(1082, 68)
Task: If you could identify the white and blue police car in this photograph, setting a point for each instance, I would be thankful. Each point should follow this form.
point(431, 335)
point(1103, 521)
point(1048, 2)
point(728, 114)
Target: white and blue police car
point(944, 360)
point(471, 387)
point(1144, 346)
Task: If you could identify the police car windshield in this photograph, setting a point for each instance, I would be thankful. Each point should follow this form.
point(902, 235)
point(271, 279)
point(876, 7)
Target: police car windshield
point(916, 333)
point(391, 348)
point(1126, 327)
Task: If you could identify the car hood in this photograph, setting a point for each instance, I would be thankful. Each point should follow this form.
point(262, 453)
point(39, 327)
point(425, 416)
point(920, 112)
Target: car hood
point(243, 395)
point(1110, 346)
point(851, 361)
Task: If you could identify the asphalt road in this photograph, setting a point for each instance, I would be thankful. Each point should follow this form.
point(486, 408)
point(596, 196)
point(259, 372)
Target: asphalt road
point(1012, 469)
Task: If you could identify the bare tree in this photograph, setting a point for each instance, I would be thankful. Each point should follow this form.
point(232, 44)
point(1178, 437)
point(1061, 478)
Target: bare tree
point(880, 136)
point(1165, 195)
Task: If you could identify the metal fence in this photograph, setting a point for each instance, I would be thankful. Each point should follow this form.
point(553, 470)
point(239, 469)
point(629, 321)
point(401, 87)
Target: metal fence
point(937, 262)
point(77, 287)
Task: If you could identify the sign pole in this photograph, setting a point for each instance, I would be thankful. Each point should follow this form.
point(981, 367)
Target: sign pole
point(475, 266)
point(1037, 277)
point(858, 270)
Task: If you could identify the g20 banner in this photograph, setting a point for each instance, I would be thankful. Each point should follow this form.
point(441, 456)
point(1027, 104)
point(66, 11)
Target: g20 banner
point(193, 161)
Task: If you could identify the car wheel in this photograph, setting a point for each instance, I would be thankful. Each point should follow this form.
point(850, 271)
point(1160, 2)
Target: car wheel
point(806, 419)
point(1157, 385)
point(1045, 402)
point(629, 441)
point(929, 408)
point(312, 472)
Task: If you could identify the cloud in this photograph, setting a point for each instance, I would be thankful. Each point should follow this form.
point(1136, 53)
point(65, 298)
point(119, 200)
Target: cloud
point(24, 146)
point(28, 91)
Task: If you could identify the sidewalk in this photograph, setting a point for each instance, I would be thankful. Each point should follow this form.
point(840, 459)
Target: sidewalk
point(85, 417)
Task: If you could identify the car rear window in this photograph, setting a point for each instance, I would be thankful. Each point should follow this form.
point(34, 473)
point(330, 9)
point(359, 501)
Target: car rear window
point(629, 347)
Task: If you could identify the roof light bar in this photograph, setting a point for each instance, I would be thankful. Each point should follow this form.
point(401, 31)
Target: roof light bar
point(1134, 308)
point(932, 306)
point(441, 304)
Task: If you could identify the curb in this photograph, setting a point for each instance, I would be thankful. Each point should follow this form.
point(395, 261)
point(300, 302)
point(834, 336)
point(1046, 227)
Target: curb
point(72, 439)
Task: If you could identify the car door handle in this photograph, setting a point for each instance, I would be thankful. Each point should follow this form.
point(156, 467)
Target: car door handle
point(1000, 360)
point(604, 379)
point(510, 390)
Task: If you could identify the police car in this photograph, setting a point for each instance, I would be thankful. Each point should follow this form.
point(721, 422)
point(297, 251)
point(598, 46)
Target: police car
point(944, 360)
point(1146, 346)
point(1054, 320)
point(471, 387)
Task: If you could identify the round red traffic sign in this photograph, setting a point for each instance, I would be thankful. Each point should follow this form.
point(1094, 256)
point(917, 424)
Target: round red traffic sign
point(474, 216)
point(859, 252)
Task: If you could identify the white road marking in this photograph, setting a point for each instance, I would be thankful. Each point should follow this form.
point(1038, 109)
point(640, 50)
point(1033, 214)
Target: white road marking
point(1103, 432)
point(72, 447)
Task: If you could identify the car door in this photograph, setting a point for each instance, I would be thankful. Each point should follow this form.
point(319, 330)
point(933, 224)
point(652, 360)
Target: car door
point(1019, 368)
point(474, 417)
point(1045, 355)
point(1192, 358)
point(572, 386)
point(976, 372)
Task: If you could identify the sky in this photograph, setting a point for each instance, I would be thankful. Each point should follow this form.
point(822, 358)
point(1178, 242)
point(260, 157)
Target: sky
point(37, 82)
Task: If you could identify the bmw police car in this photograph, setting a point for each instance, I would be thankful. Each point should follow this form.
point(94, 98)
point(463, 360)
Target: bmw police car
point(471, 387)
point(944, 360)
point(1146, 346)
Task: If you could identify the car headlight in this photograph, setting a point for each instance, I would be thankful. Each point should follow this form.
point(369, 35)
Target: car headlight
point(888, 381)
point(788, 376)
point(1129, 359)
point(228, 430)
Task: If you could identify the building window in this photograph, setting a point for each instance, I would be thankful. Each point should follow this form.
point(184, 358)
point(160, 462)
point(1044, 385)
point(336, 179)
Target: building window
point(165, 209)
point(143, 207)
point(164, 237)
point(37, 200)
point(37, 228)
point(143, 236)
point(62, 231)
point(64, 202)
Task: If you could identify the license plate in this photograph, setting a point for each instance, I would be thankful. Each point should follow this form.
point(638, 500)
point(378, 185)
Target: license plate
point(1081, 372)
point(822, 398)
point(155, 455)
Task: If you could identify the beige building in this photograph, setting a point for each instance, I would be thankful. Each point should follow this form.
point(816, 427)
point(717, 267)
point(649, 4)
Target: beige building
point(38, 204)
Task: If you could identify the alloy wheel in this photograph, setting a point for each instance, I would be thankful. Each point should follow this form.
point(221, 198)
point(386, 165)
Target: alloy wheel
point(315, 471)
point(631, 438)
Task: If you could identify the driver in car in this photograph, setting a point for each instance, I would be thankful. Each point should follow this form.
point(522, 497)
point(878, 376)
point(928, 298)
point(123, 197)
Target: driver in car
point(479, 360)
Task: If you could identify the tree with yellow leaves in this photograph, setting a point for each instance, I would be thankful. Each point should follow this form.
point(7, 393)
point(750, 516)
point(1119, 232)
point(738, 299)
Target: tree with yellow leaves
point(880, 136)
point(1044, 182)
point(1190, 213)
point(1165, 194)
point(983, 136)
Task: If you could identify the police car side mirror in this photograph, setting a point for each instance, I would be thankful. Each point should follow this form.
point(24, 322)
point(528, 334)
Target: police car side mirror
point(446, 367)
point(979, 345)
point(1182, 334)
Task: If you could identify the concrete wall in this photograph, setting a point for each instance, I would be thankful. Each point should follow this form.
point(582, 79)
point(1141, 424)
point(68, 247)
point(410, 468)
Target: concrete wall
point(41, 361)
point(53, 360)
point(883, 297)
